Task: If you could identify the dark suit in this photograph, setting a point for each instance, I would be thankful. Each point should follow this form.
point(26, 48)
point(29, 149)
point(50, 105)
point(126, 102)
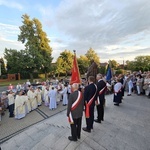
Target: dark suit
point(100, 108)
point(89, 92)
point(76, 115)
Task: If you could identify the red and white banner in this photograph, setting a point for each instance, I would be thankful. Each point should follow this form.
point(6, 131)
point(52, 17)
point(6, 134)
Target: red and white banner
point(75, 77)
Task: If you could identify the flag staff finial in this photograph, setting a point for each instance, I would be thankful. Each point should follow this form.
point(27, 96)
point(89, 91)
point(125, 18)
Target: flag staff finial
point(74, 51)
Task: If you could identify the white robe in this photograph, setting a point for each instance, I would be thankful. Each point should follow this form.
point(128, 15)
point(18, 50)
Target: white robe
point(20, 109)
point(43, 90)
point(39, 96)
point(65, 96)
point(53, 97)
point(33, 101)
point(46, 99)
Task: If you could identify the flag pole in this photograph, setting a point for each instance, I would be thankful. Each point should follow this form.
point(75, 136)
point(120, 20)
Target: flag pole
point(74, 52)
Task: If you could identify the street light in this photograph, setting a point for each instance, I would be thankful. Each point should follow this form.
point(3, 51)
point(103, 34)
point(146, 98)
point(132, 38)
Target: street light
point(0, 69)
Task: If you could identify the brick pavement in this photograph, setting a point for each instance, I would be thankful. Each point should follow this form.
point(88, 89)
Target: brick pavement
point(125, 128)
point(10, 126)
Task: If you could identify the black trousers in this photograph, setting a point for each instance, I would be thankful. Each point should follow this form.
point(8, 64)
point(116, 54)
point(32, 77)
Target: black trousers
point(100, 110)
point(11, 110)
point(76, 128)
point(90, 120)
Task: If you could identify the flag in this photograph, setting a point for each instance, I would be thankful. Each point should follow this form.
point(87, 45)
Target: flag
point(75, 77)
point(108, 74)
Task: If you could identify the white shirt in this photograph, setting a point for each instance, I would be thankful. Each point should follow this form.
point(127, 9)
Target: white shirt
point(11, 99)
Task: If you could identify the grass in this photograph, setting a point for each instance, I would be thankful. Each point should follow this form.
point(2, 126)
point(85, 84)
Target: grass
point(13, 82)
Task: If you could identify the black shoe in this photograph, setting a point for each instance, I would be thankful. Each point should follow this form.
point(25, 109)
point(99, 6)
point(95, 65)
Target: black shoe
point(116, 104)
point(102, 120)
point(78, 137)
point(97, 121)
point(71, 138)
point(86, 130)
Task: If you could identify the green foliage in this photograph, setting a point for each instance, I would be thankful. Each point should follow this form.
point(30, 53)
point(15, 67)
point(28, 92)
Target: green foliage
point(36, 43)
point(92, 56)
point(3, 68)
point(83, 64)
point(64, 62)
point(119, 71)
point(102, 69)
point(14, 60)
point(113, 64)
point(139, 63)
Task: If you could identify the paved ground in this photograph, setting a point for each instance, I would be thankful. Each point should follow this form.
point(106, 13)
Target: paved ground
point(125, 128)
point(9, 126)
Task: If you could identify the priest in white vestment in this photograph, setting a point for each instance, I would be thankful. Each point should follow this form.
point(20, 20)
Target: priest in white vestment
point(65, 95)
point(53, 98)
point(39, 96)
point(32, 97)
point(20, 109)
point(46, 98)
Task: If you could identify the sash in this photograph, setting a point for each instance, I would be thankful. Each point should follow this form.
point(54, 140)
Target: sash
point(87, 105)
point(74, 106)
point(118, 91)
point(100, 92)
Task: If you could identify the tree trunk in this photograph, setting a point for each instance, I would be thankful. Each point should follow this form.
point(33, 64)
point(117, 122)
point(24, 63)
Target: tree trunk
point(31, 76)
point(46, 76)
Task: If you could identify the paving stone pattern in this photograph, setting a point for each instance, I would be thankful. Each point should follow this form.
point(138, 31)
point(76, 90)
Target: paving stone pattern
point(126, 127)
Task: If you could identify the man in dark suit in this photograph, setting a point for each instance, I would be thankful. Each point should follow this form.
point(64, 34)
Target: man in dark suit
point(90, 92)
point(75, 112)
point(101, 88)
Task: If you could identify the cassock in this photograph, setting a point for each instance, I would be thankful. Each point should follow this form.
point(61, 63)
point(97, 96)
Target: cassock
point(53, 97)
point(20, 109)
point(118, 92)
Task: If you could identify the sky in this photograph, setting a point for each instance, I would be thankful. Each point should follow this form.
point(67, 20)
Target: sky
point(115, 29)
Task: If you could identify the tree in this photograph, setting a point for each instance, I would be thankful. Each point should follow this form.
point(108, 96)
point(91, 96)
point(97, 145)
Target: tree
point(83, 64)
point(36, 43)
point(17, 62)
point(142, 61)
point(64, 62)
point(113, 64)
point(139, 63)
point(14, 59)
point(92, 56)
point(3, 68)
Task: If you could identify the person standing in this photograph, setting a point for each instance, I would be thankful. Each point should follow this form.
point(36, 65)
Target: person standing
point(130, 85)
point(53, 98)
point(90, 92)
point(65, 96)
point(75, 112)
point(118, 92)
point(32, 97)
point(46, 98)
point(20, 108)
point(101, 88)
point(39, 96)
point(11, 101)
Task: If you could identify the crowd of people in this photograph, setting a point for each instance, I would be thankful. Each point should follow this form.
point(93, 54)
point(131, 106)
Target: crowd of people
point(94, 95)
point(23, 99)
point(85, 97)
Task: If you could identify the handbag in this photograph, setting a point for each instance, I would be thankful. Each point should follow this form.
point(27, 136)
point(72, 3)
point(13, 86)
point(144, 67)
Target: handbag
point(145, 87)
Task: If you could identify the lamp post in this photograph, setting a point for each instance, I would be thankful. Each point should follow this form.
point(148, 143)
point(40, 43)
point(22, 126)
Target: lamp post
point(0, 69)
